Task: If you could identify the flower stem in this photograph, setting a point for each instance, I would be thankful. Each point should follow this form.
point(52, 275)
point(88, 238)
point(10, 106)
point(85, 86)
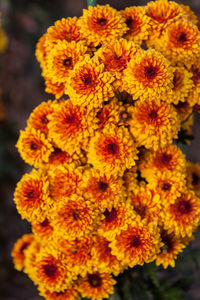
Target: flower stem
point(92, 2)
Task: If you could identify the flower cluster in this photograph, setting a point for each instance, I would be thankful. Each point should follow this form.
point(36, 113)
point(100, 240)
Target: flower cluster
point(110, 189)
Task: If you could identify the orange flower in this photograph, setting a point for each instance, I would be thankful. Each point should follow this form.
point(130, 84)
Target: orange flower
point(169, 251)
point(30, 259)
point(112, 151)
point(96, 286)
point(32, 196)
point(69, 294)
point(18, 250)
point(115, 56)
point(40, 52)
point(63, 30)
point(154, 123)
point(102, 190)
point(183, 216)
point(34, 147)
point(137, 22)
point(61, 60)
point(195, 92)
point(193, 177)
point(101, 24)
point(42, 230)
point(57, 89)
point(136, 245)
point(70, 126)
point(149, 74)
point(90, 84)
point(180, 43)
point(39, 117)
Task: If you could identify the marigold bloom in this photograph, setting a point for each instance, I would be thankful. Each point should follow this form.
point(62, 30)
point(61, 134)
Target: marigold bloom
point(40, 52)
point(20, 246)
point(167, 158)
point(183, 85)
point(114, 220)
point(30, 259)
point(90, 84)
point(101, 24)
point(96, 286)
point(149, 74)
point(136, 245)
point(63, 30)
point(102, 190)
point(74, 218)
point(115, 56)
point(103, 259)
point(183, 216)
point(34, 147)
point(78, 253)
point(32, 196)
point(180, 43)
point(59, 157)
point(70, 126)
point(61, 60)
point(168, 185)
point(169, 251)
point(39, 117)
point(193, 177)
point(138, 24)
point(69, 294)
point(146, 203)
point(154, 123)
point(190, 15)
point(42, 230)
point(112, 151)
point(184, 110)
point(52, 272)
point(195, 92)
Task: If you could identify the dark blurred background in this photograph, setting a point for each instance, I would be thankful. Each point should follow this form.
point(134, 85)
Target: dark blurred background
point(23, 89)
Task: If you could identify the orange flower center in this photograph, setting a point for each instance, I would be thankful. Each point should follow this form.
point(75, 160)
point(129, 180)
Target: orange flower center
point(102, 21)
point(150, 72)
point(184, 207)
point(50, 270)
point(23, 247)
point(195, 179)
point(168, 243)
point(141, 210)
point(33, 146)
point(166, 186)
point(110, 215)
point(67, 62)
point(135, 241)
point(112, 148)
point(103, 186)
point(166, 158)
point(153, 115)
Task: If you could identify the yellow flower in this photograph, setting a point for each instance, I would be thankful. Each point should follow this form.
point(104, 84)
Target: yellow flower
point(34, 147)
point(195, 92)
point(40, 51)
point(112, 151)
point(138, 24)
point(154, 123)
point(149, 74)
point(43, 231)
point(70, 293)
point(70, 126)
point(101, 24)
point(90, 84)
point(57, 89)
point(193, 177)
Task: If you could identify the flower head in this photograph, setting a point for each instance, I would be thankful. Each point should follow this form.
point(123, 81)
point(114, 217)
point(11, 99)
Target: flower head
point(193, 177)
point(18, 250)
point(69, 294)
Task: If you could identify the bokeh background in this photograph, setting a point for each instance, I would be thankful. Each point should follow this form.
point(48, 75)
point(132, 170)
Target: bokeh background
point(23, 89)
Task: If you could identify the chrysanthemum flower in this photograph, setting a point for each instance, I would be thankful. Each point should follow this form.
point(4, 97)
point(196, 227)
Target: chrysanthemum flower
point(70, 126)
point(154, 123)
point(103, 259)
point(162, 14)
point(57, 89)
point(190, 15)
point(167, 158)
point(130, 178)
point(146, 203)
point(138, 24)
point(32, 196)
point(96, 286)
point(114, 220)
point(52, 271)
point(40, 52)
point(183, 85)
point(102, 190)
point(69, 294)
point(149, 74)
point(184, 110)
point(183, 216)
point(63, 30)
point(169, 251)
point(39, 117)
point(42, 230)
point(195, 92)
point(90, 84)
point(112, 151)
point(115, 56)
point(77, 253)
point(74, 218)
point(34, 147)
point(61, 60)
point(136, 245)
point(31, 254)
point(180, 43)
point(101, 24)
point(193, 176)
point(18, 250)
point(64, 181)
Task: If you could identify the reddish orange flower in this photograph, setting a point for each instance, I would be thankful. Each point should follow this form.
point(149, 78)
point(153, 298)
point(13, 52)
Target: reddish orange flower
point(18, 250)
point(69, 294)
point(42, 230)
